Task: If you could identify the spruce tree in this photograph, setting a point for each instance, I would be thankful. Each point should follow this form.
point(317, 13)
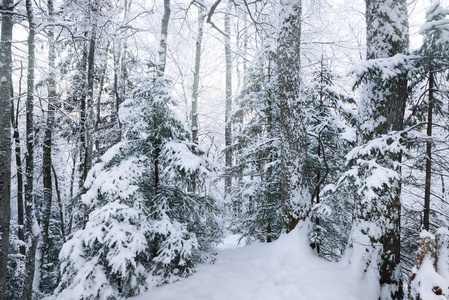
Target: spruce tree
point(145, 229)
point(257, 148)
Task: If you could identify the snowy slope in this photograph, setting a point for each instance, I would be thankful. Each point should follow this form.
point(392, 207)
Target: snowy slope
point(283, 270)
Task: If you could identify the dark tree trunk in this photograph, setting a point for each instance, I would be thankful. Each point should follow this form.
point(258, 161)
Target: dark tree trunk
point(429, 152)
point(47, 147)
point(60, 206)
point(117, 88)
point(86, 115)
point(5, 140)
point(71, 205)
point(83, 123)
point(86, 122)
point(19, 167)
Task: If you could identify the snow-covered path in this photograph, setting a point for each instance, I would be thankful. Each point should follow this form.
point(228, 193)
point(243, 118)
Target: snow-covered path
point(283, 270)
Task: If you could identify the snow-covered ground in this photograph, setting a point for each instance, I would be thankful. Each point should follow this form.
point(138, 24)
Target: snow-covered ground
point(283, 270)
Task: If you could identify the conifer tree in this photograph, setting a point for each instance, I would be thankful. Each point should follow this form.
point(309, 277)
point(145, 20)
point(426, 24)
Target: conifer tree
point(257, 147)
point(146, 227)
point(162, 227)
point(331, 121)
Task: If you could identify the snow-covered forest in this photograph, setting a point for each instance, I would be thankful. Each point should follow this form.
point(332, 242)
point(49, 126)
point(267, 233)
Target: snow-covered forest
point(142, 140)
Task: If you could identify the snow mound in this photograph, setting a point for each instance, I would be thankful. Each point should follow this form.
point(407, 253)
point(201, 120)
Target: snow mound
point(283, 270)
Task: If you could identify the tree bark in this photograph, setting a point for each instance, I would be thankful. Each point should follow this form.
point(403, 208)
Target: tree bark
point(86, 115)
point(90, 91)
point(60, 205)
point(228, 108)
point(33, 228)
point(102, 73)
point(47, 147)
point(429, 152)
point(196, 74)
point(295, 194)
point(160, 73)
point(163, 41)
point(381, 111)
point(19, 166)
point(86, 121)
point(5, 140)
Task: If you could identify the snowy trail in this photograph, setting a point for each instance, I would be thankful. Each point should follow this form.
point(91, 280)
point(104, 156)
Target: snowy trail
point(283, 270)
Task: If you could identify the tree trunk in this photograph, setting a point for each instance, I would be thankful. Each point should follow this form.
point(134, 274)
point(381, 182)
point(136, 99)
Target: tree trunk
point(60, 206)
point(47, 147)
point(163, 42)
point(90, 91)
point(196, 74)
point(5, 140)
point(19, 167)
point(83, 123)
point(295, 194)
point(70, 209)
point(429, 152)
point(117, 88)
point(86, 115)
point(33, 228)
point(228, 108)
point(382, 110)
point(160, 73)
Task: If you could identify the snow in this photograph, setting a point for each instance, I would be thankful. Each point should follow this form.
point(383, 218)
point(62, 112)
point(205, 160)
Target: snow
point(282, 270)
point(182, 158)
point(425, 281)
